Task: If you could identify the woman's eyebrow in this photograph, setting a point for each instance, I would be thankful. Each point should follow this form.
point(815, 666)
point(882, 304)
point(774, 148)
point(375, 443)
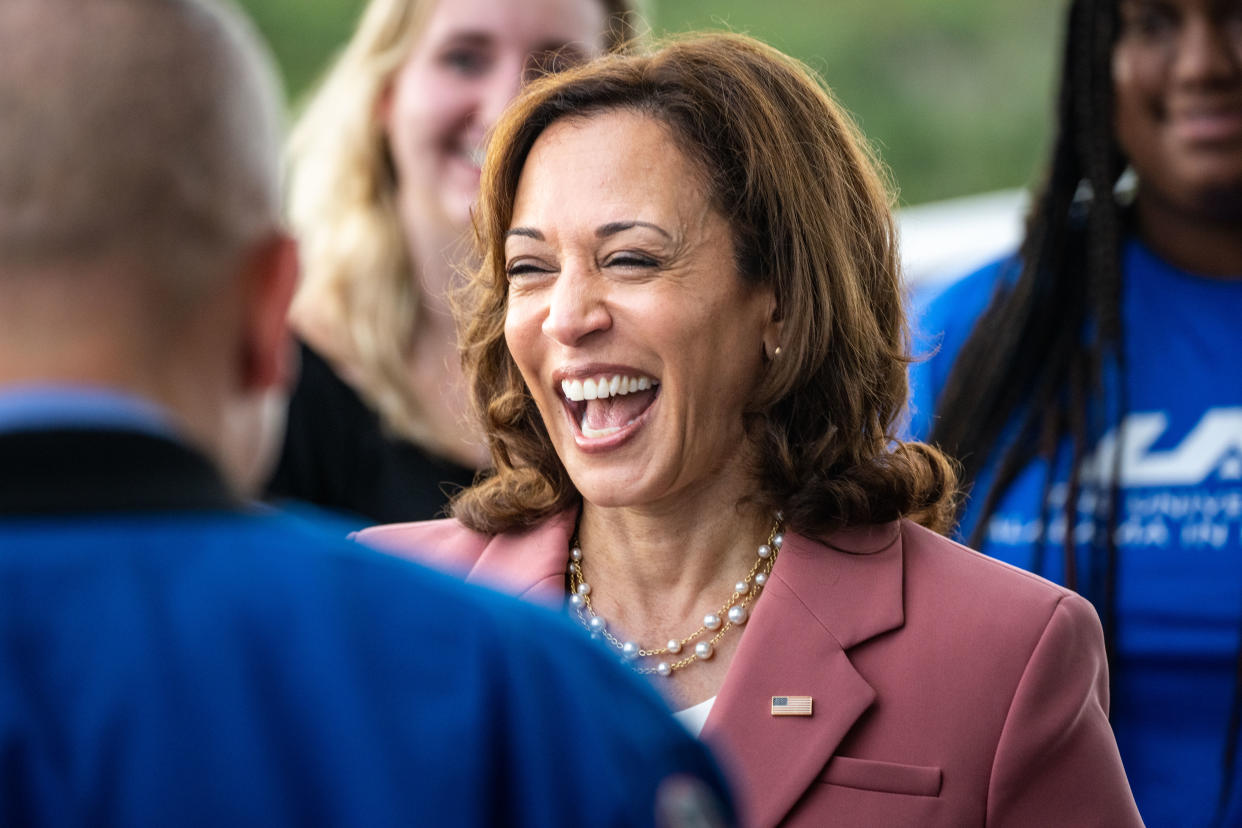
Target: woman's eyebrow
point(614, 227)
point(468, 38)
point(603, 231)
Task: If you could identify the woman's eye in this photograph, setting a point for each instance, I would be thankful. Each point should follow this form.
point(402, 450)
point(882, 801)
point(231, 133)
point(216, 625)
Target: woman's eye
point(1150, 20)
point(519, 269)
point(1155, 23)
point(465, 62)
point(630, 260)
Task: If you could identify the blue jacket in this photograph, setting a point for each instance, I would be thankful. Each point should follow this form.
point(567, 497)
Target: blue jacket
point(168, 657)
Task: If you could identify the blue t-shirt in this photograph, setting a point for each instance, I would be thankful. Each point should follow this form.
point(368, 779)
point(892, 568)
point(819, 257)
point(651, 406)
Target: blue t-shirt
point(1179, 531)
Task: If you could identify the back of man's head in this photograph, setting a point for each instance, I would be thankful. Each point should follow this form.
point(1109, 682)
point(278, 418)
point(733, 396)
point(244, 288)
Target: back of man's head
point(140, 242)
point(136, 129)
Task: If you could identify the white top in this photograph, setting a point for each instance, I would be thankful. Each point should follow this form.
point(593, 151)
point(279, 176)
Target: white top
point(694, 717)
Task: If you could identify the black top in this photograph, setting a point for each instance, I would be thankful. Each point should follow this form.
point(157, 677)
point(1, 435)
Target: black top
point(337, 455)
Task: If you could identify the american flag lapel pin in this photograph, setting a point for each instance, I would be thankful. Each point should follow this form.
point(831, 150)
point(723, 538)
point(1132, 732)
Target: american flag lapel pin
point(791, 705)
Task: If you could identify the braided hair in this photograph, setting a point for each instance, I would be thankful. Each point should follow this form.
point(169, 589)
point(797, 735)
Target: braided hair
point(1037, 354)
point(1041, 354)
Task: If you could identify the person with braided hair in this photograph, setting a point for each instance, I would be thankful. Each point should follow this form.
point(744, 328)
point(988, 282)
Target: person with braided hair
point(1086, 384)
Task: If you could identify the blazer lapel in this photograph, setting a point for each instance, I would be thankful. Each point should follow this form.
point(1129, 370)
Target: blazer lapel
point(530, 565)
point(818, 603)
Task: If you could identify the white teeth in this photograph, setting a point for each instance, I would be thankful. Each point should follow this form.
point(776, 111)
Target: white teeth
point(601, 388)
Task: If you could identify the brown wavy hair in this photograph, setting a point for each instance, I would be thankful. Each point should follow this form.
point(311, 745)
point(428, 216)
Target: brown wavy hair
point(809, 209)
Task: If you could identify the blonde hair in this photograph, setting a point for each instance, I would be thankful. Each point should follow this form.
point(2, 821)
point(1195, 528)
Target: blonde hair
point(809, 208)
point(357, 268)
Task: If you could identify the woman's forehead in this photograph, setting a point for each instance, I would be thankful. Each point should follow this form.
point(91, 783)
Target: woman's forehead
point(532, 25)
point(581, 169)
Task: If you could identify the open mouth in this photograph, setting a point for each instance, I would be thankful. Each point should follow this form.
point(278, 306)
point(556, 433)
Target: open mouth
point(1210, 124)
point(468, 156)
point(606, 405)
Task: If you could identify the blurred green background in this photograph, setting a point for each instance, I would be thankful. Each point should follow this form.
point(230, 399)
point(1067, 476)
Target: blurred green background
point(955, 94)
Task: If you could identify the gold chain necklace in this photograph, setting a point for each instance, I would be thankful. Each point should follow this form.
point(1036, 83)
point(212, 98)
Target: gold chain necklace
point(733, 613)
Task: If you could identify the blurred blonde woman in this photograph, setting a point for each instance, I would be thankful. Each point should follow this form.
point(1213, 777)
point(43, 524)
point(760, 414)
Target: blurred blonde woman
point(384, 172)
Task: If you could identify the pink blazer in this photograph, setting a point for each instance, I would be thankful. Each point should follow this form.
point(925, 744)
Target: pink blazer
point(948, 689)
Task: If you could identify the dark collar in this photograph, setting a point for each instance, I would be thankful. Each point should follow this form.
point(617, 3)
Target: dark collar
point(75, 470)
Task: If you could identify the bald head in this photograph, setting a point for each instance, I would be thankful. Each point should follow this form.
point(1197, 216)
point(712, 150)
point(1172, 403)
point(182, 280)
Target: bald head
point(140, 242)
point(142, 130)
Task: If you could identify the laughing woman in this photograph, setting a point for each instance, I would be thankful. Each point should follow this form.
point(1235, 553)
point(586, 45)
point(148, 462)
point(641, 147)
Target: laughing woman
point(686, 341)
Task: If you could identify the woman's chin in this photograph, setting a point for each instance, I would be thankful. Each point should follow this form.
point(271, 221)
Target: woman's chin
point(606, 494)
point(450, 204)
point(607, 478)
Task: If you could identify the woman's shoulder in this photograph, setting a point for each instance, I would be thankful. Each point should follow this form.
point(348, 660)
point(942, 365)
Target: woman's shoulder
point(931, 581)
point(514, 560)
point(932, 562)
point(961, 301)
point(943, 555)
point(941, 320)
point(971, 608)
point(961, 577)
point(1020, 665)
point(445, 544)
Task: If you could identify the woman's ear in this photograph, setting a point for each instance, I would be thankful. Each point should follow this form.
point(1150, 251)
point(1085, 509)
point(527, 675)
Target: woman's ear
point(773, 329)
point(382, 112)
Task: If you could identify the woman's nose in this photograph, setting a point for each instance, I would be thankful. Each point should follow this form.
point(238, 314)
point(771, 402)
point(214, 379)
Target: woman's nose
point(577, 306)
point(1207, 52)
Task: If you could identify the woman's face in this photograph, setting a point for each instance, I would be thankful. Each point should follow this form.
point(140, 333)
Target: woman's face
point(1177, 75)
point(465, 68)
point(622, 277)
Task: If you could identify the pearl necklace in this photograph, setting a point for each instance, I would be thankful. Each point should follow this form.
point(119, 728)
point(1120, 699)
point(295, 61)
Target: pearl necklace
point(733, 613)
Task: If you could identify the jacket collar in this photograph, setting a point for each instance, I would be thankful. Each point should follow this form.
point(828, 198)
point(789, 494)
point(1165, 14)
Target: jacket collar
point(817, 605)
point(821, 600)
point(77, 470)
point(530, 564)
